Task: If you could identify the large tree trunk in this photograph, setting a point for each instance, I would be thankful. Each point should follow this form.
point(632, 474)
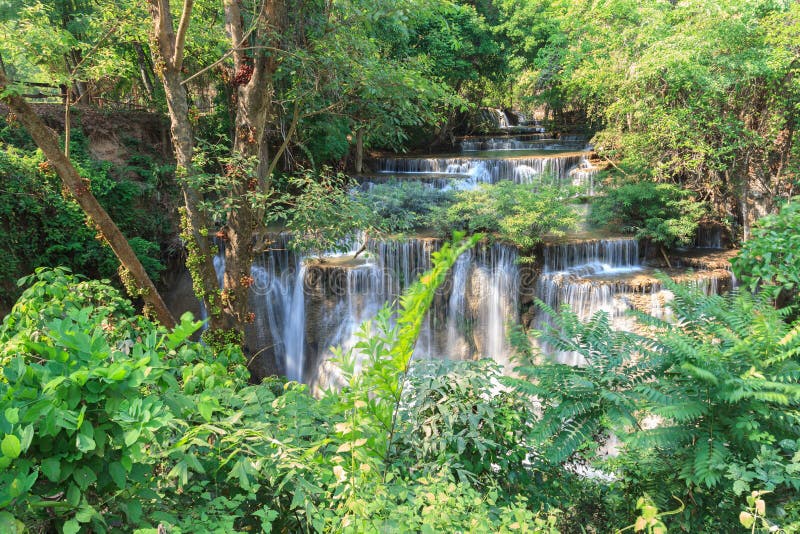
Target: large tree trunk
point(47, 141)
point(197, 228)
point(254, 80)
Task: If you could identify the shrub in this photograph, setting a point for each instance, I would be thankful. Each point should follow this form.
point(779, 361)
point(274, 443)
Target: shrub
point(517, 213)
point(662, 213)
point(770, 261)
point(403, 206)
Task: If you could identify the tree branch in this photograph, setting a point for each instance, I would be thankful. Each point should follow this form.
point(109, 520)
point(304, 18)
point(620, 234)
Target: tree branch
point(180, 38)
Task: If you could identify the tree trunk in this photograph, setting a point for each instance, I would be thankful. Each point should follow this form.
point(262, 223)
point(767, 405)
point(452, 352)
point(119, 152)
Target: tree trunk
point(197, 227)
point(254, 79)
point(144, 69)
point(359, 149)
point(47, 141)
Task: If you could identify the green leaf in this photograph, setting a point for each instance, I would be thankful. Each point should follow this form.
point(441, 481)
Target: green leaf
point(73, 495)
point(27, 437)
point(51, 467)
point(85, 514)
point(84, 477)
point(131, 436)
point(10, 446)
point(12, 415)
point(84, 443)
point(118, 474)
point(72, 527)
point(206, 408)
point(10, 525)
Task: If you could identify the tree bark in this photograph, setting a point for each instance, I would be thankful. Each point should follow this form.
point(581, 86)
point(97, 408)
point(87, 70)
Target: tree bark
point(145, 70)
point(251, 145)
point(359, 149)
point(47, 141)
point(169, 57)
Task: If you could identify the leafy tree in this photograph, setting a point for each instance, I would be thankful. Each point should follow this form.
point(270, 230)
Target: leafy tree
point(700, 93)
point(132, 272)
point(517, 213)
point(403, 206)
point(768, 261)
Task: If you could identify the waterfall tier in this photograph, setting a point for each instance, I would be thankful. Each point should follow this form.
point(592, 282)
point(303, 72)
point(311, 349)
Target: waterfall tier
point(525, 170)
point(519, 143)
point(606, 275)
point(303, 307)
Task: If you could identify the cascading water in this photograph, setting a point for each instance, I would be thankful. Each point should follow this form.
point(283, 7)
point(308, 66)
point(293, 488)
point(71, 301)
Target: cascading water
point(303, 307)
point(585, 276)
point(526, 142)
point(606, 275)
point(525, 170)
point(499, 303)
point(709, 237)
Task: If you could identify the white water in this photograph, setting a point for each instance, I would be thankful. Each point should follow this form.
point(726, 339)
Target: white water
point(303, 308)
point(582, 276)
point(524, 170)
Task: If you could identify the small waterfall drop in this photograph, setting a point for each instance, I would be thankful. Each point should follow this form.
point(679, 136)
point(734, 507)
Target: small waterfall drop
point(524, 170)
point(588, 276)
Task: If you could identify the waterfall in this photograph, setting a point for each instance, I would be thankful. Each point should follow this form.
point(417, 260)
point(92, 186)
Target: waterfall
point(518, 142)
point(524, 170)
point(708, 237)
point(606, 275)
point(500, 304)
point(588, 276)
point(303, 306)
point(584, 175)
point(496, 117)
point(456, 306)
point(609, 255)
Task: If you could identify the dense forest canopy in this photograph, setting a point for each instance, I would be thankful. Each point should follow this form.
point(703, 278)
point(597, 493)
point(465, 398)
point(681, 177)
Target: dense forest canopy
point(231, 141)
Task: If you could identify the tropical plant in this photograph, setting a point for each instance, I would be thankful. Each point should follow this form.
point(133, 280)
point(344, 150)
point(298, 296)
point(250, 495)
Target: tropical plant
point(399, 206)
point(768, 261)
point(702, 405)
point(517, 213)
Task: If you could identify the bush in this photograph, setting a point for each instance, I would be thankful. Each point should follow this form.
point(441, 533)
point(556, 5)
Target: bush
point(43, 226)
point(722, 382)
point(770, 260)
point(662, 213)
point(403, 206)
point(110, 423)
point(516, 213)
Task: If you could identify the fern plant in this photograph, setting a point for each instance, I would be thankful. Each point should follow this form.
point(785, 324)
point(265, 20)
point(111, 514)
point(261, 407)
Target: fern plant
point(718, 387)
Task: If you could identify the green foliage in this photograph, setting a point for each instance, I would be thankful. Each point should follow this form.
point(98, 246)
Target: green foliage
point(80, 407)
point(44, 226)
point(769, 261)
point(702, 93)
point(516, 213)
point(109, 421)
point(460, 416)
point(720, 387)
point(401, 206)
point(662, 213)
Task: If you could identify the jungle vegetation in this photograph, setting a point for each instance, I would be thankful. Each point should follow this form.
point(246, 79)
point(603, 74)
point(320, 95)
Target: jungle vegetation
point(116, 420)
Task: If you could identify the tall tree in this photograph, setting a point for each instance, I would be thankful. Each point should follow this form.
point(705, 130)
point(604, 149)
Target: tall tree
point(169, 52)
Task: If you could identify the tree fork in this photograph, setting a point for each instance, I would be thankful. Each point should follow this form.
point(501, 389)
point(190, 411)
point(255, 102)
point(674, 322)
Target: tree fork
point(168, 55)
point(47, 141)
